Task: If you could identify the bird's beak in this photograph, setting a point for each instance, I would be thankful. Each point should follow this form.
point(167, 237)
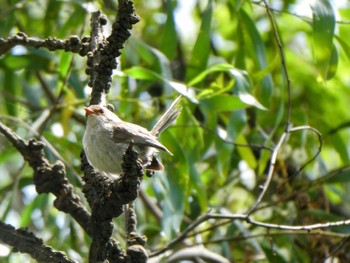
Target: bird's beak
point(88, 111)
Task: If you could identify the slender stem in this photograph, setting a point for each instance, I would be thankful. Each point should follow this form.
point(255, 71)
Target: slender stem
point(270, 173)
point(283, 61)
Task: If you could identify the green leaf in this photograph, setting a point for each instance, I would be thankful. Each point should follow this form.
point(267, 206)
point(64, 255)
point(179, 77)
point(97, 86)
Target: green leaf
point(201, 50)
point(34, 59)
point(140, 50)
point(10, 20)
point(259, 52)
point(341, 148)
point(173, 210)
point(344, 45)
point(202, 75)
point(11, 87)
point(341, 177)
point(321, 215)
point(237, 123)
point(77, 84)
point(246, 153)
point(146, 74)
point(197, 184)
point(15, 62)
point(155, 59)
point(333, 64)
point(64, 64)
point(223, 155)
point(272, 254)
point(255, 38)
point(142, 74)
point(169, 40)
point(323, 26)
point(250, 100)
point(242, 84)
point(28, 210)
point(67, 111)
point(223, 103)
point(52, 16)
point(75, 21)
point(336, 194)
point(177, 183)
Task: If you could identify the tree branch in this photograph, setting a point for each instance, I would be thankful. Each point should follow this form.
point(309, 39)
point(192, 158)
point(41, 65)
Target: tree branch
point(73, 44)
point(107, 197)
point(102, 58)
point(49, 178)
point(246, 218)
point(25, 241)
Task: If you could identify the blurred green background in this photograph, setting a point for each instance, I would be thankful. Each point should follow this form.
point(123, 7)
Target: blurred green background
point(223, 57)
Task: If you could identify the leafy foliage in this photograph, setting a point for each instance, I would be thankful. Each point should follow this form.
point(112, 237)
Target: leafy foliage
point(224, 58)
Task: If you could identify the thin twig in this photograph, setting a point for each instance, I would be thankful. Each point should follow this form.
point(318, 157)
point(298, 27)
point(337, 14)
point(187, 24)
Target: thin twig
point(318, 232)
point(283, 61)
point(306, 187)
point(274, 157)
point(245, 217)
point(195, 224)
point(337, 249)
point(319, 146)
point(301, 227)
point(151, 205)
point(269, 174)
point(47, 90)
point(210, 228)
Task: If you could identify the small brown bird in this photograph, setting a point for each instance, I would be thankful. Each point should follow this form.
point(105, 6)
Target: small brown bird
point(107, 137)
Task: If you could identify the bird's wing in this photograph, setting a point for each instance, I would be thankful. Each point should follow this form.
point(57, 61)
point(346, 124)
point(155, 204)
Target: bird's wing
point(125, 132)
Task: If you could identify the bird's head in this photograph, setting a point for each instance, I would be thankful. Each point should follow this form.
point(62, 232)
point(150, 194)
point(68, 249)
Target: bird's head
point(100, 112)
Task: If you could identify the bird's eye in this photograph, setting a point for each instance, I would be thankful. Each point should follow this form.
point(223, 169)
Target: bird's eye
point(100, 110)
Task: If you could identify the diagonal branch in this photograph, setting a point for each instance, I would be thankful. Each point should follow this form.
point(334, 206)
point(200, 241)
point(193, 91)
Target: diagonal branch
point(309, 229)
point(25, 241)
point(49, 178)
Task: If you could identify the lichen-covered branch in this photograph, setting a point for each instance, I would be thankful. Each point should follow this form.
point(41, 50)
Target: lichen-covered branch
point(135, 242)
point(105, 195)
point(107, 198)
point(25, 241)
point(102, 58)
point(49, 178)
point(73, 44)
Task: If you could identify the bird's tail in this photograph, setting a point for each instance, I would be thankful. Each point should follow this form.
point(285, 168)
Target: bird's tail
point(167, 118)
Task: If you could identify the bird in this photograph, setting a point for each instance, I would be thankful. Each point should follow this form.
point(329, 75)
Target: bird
point(107, 137)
